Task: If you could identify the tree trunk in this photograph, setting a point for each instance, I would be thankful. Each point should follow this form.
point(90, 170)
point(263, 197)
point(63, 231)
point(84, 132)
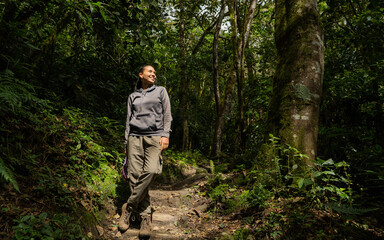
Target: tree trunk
point(184, 82)
point(236, 75)
point(217, 142)
point(297, 85)
point(241, 71)
point(240, 110)
point(251, 82)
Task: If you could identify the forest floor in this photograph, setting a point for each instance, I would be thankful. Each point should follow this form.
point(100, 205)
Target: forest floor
point(180, 212)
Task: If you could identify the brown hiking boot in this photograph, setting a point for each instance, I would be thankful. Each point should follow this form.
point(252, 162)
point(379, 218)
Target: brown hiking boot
point(145, 227)
point(124, 219)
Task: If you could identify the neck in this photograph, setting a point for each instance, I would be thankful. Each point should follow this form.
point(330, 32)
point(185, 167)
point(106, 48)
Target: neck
point(146, 85)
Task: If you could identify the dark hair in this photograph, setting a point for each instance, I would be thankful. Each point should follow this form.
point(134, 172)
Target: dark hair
point(141, 70)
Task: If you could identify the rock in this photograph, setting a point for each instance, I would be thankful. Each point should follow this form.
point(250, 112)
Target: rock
point(163, 218)
point(174, 201)
point(155, 228)
point(118, 234)
point(100, 230)
point(202, 208)
point(188, 171)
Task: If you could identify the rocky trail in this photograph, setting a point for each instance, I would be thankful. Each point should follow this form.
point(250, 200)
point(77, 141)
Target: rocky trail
point(180, 212)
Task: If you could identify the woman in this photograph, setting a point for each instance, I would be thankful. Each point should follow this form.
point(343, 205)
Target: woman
point(146, 135)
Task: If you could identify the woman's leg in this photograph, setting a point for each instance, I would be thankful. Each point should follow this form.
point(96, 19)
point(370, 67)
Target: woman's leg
point(135, 168)
point(146, 163)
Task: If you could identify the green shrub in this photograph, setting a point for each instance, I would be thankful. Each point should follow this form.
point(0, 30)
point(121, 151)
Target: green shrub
point(42, 227)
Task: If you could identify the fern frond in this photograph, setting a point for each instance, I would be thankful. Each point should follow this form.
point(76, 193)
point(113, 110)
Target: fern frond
point(302, 92)
point(7, 175)
point(212, 165)
point(346, 209)
point(15, 93)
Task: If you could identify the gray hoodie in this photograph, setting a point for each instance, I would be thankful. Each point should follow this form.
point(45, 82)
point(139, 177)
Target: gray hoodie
point(149, 113)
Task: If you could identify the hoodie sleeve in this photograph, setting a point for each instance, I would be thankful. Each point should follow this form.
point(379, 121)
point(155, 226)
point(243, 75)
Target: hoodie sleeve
point(129, 112)
point(167, 116)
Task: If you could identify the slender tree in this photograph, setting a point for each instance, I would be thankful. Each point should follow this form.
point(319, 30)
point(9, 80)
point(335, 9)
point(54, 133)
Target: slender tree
point(297, 85)
point(216, 87)
point(192, 22)
point(184, 80)
point(240, 34)
point(240, 46)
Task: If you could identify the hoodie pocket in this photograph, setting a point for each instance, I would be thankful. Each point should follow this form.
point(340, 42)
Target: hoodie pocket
point(159, 123)
point(143, 122)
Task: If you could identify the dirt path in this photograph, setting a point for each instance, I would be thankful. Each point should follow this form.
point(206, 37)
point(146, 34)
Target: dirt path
point(180, 213)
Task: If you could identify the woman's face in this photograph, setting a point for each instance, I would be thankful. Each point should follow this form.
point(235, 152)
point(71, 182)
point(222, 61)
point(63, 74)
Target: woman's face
point(148, 76)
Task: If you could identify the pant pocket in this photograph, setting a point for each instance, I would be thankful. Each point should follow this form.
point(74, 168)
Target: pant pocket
point(160, 165)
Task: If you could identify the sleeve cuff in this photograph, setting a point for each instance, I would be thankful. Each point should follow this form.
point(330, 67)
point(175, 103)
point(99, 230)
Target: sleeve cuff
point(165, 134)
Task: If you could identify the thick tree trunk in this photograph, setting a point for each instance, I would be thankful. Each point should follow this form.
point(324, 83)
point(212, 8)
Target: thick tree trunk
point(297, 85)
point(184, 82)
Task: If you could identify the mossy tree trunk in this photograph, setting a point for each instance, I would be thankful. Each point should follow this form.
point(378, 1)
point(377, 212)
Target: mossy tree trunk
point(294, 109)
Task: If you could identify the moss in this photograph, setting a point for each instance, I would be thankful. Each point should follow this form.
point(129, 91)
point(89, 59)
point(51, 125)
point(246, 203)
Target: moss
point(297, 26)
point(265, 156)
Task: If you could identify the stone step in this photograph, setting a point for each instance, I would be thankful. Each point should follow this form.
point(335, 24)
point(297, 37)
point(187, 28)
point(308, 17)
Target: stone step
point(170, 219)
point(164, 226)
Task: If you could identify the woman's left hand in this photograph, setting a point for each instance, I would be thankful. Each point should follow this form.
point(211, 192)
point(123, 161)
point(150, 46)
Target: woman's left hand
point(164, 143)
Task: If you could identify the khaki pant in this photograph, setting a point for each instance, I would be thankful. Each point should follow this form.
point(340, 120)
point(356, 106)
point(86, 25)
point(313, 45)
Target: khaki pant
point(144, 164)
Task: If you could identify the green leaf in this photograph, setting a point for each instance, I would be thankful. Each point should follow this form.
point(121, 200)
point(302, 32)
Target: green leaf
point(103, 15)
point(90, 6)
point(328, 172)
point(341, 164)
point(331, 189)
point(7, 174)
point(300, 182)
point(43, 215)
point(97, 4)
point(328, 162)
point(31, 46)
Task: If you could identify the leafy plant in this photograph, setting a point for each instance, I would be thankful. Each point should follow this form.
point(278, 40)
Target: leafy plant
point(242, 234)
point(7, 175)
point(14, 93)
point(219, 193)
point(43, 227)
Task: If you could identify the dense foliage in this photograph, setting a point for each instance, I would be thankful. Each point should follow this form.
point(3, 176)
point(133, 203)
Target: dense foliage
point(67, 67)
point(352, 111)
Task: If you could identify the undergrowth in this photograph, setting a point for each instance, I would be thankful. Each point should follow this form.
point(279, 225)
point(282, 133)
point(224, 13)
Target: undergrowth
point(57, 165)
point(280, 202)
point(178, 165)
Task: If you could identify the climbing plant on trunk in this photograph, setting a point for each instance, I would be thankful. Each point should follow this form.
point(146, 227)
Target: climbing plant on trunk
point(297, 85)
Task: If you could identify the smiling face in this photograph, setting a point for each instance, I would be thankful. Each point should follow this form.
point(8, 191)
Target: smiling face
point(147, 76)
